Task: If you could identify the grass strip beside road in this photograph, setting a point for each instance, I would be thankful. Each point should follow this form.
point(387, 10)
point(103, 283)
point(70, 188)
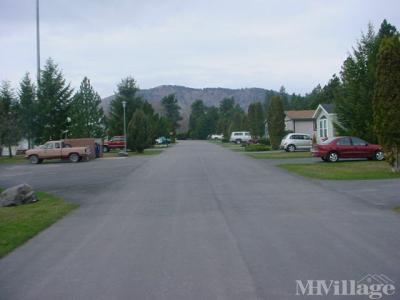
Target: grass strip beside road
point(343, 170)
point(280, 155)
point(231, 146)
point(20, 223)
point(20, 159)
point(146, 152)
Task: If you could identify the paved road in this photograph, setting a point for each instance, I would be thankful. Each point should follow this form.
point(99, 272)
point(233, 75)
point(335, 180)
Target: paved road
point(76, 182)
point(203, 222)
point(382, 194)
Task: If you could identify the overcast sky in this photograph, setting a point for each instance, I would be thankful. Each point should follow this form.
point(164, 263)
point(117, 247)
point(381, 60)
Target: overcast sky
point(209, 43)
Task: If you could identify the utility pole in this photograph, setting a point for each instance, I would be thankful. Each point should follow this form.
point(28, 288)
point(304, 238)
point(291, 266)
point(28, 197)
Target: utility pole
point(126, 138)
point(37, 42)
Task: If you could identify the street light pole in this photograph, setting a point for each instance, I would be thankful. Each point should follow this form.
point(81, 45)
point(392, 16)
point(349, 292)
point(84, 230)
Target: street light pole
point(126, 138)
point(37, 42)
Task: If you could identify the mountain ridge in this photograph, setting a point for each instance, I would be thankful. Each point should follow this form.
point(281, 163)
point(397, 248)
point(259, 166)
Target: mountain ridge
point(187, 95)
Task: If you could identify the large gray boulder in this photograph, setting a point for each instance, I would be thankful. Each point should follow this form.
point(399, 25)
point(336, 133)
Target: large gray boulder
point(18, 195)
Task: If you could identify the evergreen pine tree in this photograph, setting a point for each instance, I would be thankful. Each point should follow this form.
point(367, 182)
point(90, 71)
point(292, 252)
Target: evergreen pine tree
point(153, 122)
point(206, 123)
point(171, 111)
point(276, 121)
point(354, 103)
point(251, 115)
point(238, 121)
point(127, 91)
point(284, 96)
point(27, 108)
point(212, 116)
point(197, 111)
point(255, 118)
point(87, 115)
point(138, 131)
point(10, 133)
point(226, 111)
point(54, 98)
point(387, 100)
point(162, 127)
point(354, 107)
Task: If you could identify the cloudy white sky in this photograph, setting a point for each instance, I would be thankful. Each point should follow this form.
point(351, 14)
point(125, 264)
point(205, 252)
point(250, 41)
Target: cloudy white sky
point(209, 43)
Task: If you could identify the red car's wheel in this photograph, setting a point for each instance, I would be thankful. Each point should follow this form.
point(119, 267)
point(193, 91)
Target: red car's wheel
point(379, 155)
point(333, 156)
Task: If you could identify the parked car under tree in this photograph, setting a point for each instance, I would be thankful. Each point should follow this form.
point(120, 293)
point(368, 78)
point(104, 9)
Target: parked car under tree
point(57, 150)
point(347, 147)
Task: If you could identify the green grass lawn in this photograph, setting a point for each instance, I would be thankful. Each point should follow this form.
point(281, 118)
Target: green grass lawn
point(20, 159)
point(151, 151)
point(20, 223)
point(231, 146)
point(280, 155)
point(343, 170)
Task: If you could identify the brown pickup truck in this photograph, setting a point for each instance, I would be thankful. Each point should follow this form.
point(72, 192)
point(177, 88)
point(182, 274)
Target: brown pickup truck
point(57, 150)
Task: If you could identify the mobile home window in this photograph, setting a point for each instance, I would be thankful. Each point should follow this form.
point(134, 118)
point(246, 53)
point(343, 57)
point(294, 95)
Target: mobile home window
point(323, 127)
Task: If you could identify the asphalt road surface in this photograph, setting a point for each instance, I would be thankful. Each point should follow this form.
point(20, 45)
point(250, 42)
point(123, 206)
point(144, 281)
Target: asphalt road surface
point(196, 222)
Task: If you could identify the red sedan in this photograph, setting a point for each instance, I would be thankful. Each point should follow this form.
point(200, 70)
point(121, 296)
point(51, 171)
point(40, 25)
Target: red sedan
point(347, 147)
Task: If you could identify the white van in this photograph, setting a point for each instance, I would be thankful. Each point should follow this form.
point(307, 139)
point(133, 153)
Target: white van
point(240, 137)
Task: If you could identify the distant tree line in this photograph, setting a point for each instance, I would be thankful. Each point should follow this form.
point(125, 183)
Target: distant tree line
point(229, 117)
point(51, 110)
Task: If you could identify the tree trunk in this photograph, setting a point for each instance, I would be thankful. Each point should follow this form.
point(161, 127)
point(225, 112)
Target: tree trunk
point(396, 164)
point(9, 151)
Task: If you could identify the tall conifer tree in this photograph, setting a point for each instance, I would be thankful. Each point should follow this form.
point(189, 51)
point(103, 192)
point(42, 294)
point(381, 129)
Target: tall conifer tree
point(54, 99)
point(87, 115)
point(387, 100)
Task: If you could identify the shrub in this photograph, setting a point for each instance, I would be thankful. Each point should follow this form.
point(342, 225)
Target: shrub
point(264, 141)
point(257, 147)
point(182, 136)
point(225, 140)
